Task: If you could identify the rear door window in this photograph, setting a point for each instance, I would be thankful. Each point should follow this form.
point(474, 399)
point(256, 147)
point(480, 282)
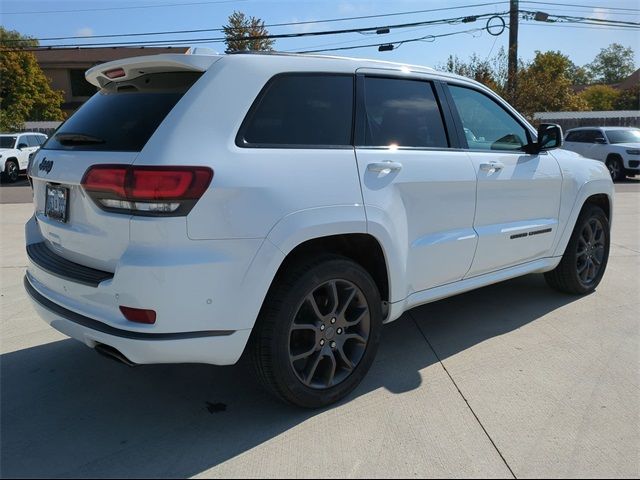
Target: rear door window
point(300, 110)
point(403, 113)
point(122, 116)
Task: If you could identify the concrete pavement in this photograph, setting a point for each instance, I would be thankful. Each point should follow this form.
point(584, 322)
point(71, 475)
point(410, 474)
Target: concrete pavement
point(510, 380)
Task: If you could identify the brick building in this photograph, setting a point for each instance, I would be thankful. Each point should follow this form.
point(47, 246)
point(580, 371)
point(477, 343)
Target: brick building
point(65, 68)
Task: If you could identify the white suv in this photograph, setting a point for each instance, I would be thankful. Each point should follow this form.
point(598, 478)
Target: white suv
point(617, 147)
point(15, 151)
point(198, 205)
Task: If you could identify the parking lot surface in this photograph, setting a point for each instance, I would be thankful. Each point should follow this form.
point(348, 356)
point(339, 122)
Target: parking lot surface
point(512, 380)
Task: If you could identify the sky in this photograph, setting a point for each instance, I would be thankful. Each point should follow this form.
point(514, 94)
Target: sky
point(95, 17)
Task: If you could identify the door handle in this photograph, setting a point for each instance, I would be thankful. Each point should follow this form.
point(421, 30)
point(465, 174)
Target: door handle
point(386, 166)
point(491, 167)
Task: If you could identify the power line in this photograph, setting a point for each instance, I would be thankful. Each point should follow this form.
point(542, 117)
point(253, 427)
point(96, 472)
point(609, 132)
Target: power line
point(452, 20)
point(556, 4)
point(124, 8)
point(396, 44)
point(307, 22)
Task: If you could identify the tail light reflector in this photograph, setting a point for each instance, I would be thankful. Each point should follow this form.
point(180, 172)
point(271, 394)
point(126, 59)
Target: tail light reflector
point(138, 315)
point(145, 190)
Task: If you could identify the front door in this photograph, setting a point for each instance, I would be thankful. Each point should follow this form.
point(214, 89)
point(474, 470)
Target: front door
point(518, 197)
point(412, 181)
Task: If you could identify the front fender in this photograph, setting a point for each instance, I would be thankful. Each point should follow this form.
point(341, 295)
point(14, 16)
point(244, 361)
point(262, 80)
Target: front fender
point(588, 189)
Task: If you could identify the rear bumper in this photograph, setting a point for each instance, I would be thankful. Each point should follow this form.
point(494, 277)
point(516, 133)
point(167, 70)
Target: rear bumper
point(217, 347)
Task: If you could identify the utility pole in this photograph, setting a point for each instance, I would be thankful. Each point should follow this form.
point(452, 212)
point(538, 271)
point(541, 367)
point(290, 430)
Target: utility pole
point(513, 50)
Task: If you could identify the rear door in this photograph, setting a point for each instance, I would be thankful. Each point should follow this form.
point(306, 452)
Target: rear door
point(110, 128)
point(413, 178)
point(518, 195)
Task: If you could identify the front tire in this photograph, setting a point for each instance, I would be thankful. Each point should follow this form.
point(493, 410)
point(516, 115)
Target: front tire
point(585, 259)
point(318, 331)
point(616, 168)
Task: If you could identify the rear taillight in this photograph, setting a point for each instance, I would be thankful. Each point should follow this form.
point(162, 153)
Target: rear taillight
point(144, 190)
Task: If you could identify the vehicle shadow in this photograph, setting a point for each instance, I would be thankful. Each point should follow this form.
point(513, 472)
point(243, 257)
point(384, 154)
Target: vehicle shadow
point(67, 411)
point(21, 182)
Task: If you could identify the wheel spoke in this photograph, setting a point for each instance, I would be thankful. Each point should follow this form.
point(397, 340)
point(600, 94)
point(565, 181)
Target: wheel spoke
point(344, 359)
point(332, 372)
point(314, 366)
point(584, 265)
point(302, 355)
point(348, 302)
point(585, 271)
point(333, 288)
point(311, 300)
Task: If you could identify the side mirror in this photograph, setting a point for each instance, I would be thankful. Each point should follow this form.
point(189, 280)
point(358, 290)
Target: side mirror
point(601, 141)
point(22, 145)
point(549, 136)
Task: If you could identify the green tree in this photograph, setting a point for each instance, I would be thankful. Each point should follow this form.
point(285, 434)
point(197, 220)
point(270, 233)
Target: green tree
point(239, 31)
point(25, 92)
point(545, 85)
point(613, 64)
point(490, 72)
point(580, 75)
point(600, 97)
point(628, 99)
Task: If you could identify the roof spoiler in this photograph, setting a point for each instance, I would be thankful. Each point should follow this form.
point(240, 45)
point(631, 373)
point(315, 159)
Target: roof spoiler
point(195, 60)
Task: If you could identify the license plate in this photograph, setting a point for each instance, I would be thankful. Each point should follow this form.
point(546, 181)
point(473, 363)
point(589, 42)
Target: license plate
point(57, 205)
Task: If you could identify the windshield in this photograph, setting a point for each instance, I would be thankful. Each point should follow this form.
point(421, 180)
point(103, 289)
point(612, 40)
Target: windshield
point(122, 116)
point(623, 136)
point(7, 142)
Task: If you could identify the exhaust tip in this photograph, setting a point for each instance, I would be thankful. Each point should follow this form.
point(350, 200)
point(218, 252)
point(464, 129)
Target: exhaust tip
point(113, 354)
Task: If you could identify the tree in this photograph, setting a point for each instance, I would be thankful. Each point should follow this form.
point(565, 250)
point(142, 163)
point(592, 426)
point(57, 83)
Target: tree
point(492, 73)
point(600, 97)
point(580, 75)
point(25, 92)
point(545, 85)
point(628, 99)
point(613, 64)
point(239, 30)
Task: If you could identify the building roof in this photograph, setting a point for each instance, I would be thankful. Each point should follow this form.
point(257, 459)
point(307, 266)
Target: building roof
point(98, 55)
point(593, 114)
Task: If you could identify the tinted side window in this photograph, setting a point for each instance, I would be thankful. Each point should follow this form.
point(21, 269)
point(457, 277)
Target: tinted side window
point(33, 140)
point(487, 125)
point(591, 135)
point(573, 137)
point(22, 141)
point(301, 110)
point(401, 112)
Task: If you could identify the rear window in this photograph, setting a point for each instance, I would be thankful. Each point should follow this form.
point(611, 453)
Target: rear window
point(301, 110)
point(122, 116)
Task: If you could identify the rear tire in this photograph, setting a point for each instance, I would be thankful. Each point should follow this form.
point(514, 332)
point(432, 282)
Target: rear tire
point(318, 331)
point(616, 168)
point(11, 171)
point(585, 258)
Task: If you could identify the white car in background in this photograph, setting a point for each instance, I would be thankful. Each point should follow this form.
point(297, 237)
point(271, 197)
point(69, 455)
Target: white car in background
point(617, 147)
point(345, 192)
point(15, 151)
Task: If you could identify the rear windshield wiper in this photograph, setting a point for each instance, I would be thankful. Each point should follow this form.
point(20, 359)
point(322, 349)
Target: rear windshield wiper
point(69, 139)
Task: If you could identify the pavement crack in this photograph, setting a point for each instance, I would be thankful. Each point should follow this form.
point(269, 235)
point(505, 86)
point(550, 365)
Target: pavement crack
point(462, 395)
